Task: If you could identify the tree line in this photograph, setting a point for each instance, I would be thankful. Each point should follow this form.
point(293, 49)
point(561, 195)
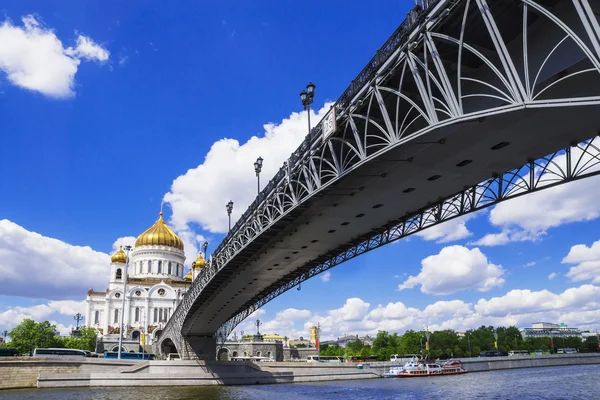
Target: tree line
point(29, 335)
point(447, 343)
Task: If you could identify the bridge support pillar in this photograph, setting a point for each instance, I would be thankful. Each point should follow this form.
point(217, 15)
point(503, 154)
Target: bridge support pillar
point(205, 347)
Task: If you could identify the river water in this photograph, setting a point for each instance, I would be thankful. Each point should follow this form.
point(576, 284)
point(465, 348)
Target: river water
point(572, 382)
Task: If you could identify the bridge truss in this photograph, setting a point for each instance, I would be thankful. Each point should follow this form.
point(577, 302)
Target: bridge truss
point(429, 75)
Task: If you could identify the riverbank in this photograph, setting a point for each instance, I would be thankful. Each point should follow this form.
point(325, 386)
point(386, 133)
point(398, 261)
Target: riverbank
point(30, 372)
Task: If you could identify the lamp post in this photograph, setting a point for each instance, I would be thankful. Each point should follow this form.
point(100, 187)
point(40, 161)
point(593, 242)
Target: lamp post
point(257, 168)
point(204, 248)
point(307, 97)
point(469, 341)
point(229, 208)
point(318, 341)
point(127, 249)
point(78, 317)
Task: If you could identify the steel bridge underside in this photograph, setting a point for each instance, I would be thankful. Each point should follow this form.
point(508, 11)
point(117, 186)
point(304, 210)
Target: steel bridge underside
point(405, 178)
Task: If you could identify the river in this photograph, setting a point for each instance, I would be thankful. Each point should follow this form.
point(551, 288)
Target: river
point(572, 382)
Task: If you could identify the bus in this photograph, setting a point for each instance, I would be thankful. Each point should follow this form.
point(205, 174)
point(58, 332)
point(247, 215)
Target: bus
point(325, 359)
point(129, 355)
point(8, 352)
point(518, 353)
point(253, 359)
point(566, 351)
point(59, 353)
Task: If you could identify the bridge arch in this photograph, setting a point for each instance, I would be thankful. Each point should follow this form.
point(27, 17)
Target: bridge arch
point(167, 347)
point(415, 108)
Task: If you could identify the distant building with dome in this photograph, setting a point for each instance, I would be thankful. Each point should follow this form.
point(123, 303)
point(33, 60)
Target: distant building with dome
point(155, 285)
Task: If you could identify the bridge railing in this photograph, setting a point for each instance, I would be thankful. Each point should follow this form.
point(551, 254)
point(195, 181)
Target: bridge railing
point(400, 36)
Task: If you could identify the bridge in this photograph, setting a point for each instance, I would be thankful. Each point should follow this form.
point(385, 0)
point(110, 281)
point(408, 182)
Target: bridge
point(468, 103)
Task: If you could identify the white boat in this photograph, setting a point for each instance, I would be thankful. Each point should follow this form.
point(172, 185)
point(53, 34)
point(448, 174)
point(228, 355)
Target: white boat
point(418, 368)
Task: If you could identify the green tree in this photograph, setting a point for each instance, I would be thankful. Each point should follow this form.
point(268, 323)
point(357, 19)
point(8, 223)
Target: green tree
point(355, 348)
point(85, 341)
point(30, 334)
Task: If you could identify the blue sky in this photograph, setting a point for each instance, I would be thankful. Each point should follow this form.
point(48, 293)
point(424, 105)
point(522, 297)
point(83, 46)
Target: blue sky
point(107, 108)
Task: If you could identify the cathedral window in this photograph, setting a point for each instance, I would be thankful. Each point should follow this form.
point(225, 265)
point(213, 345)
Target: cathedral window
point(97, 317)
point(169, 268)
point(116, 320)
point(156, 315)
point(160, 267)
point(160, 315)
point(118, 274)
point(149, 267)
point(137, 314)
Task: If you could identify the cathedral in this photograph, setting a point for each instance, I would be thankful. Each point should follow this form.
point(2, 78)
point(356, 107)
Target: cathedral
point(155, 285)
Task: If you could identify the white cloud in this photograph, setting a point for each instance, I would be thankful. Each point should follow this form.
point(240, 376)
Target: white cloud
point(552, 275)
point(32, 265)
point(527, 218)
point(454, 269)
point(33, 57)
point(588, 260)
point(578, 307)
point(48, 311)
point(530, 264)
point(88, 50)
point(449, 231)
point(227, 173)
point(325, 277)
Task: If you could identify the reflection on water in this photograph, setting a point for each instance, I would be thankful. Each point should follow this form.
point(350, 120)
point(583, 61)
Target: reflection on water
point(573, 382)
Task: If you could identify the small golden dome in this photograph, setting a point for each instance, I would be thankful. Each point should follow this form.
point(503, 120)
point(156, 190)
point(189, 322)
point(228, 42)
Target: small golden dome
point(189, 276)
point(159, 234)
point(119, 257)
point(199, 262)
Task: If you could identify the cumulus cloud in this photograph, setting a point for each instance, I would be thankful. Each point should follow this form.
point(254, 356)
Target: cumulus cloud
point(34, 58)
point(454, 269)
point(227, 173)
point(32, 265)
point(527, 218)
point(552, 275)
point(587, 260)
point(575, 306)
point(449, 231)
point(326, 276)
point(41, 312)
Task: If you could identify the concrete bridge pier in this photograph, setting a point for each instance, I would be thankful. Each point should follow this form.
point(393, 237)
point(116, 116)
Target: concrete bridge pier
point(204, 347)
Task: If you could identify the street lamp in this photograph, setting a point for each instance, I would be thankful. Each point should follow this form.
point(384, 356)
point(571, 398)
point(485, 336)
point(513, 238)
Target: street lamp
point(257, 169)
point(127, 249)
point(204, 248)
point(78, 317)
point(229, 208)
point(307, 97)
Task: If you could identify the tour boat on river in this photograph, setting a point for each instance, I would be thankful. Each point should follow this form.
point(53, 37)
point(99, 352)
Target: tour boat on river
point(419, 368)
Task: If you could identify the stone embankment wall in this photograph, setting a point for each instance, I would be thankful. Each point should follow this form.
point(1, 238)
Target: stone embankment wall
point(23, 372)
point(85, 372)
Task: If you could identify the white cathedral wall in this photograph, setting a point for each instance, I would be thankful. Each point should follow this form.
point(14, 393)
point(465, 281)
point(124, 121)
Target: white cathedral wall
point(146, 299)
point(146, 262)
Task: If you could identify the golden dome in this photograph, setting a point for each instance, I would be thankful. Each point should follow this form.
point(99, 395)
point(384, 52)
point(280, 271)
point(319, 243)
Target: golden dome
point(189, 276)
point(119, 256)
point(159, 234)
point(199, 262)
